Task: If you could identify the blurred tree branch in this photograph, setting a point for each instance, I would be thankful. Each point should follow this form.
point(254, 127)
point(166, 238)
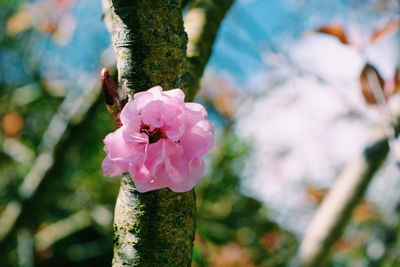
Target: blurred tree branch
point(335, 211)
point(25, 248)
point(201, 24)
point(50, 234)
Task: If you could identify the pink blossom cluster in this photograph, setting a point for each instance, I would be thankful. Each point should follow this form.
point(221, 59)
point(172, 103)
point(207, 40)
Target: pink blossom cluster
point(161, 142)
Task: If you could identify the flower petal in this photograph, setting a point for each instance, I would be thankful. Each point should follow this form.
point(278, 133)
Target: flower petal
point(129, 112)
point(160, 181)
point(196, 142)
point(152, 113)
point(196, 172)
point(175, 130)
point(197, 109)
point(176, 93)
point(110, 168)
point(115, 145)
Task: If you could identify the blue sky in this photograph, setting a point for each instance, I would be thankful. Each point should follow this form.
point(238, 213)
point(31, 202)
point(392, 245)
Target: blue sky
point(251, 27)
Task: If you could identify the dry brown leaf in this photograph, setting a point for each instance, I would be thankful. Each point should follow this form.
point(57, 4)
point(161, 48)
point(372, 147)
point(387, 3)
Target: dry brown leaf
point(387, 30)
point(396, 81)
point(347, 244)
point(316, 195)
point(335, 29)
point(366, 86)
point(392, 86)
point(364, 212)
point(271, 241)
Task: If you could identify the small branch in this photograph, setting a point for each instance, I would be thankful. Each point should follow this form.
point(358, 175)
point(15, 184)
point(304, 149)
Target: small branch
point(336, 209)
point(25, 248)
point(49, 235)
point(202, 23)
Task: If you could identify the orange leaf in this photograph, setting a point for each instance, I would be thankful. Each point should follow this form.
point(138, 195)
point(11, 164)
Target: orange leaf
point(387, 30)
point(366, 86)
point(336, 30)
point(364, 212)
point(271, 241)
point(316, 195)
point(12, 123)
point(347, 244)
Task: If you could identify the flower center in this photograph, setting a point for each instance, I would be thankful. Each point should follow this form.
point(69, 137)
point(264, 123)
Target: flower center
point(154, 135)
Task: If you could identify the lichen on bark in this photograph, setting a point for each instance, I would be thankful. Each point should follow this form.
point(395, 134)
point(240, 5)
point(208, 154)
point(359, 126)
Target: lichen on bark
point(154, 228)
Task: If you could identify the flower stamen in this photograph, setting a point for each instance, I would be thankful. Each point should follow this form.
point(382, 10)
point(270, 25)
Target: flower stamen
point(154, 135)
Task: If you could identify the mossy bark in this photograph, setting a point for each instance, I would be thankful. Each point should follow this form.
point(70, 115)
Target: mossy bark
point(150, 42)
point(154, 228)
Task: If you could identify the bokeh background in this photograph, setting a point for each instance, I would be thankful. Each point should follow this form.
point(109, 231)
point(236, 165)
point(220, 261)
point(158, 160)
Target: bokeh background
point(283, 90)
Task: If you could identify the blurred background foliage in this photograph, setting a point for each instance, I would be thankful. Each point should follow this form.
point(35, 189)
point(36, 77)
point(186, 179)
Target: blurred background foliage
point(56, 207)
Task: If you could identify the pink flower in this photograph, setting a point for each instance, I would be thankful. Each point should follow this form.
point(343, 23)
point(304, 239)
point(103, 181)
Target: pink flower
point(161, 141)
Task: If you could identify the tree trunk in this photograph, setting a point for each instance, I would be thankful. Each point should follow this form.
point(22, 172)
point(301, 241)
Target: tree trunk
point(154, 228)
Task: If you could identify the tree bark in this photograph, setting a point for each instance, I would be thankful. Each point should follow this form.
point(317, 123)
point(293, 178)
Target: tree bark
point(150, 42)
point(154, 228)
